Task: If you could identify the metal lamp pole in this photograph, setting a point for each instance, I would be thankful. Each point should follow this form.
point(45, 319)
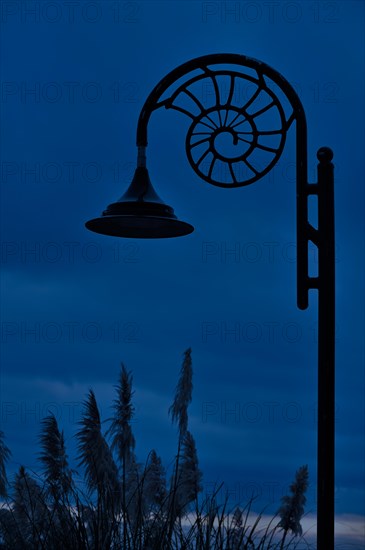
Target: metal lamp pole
point(140, 213)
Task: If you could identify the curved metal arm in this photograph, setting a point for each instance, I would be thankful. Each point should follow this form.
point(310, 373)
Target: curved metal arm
point(205, 64)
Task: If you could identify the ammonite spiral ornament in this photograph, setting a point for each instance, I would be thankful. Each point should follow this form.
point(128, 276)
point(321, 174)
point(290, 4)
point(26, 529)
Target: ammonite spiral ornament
point(230, 142)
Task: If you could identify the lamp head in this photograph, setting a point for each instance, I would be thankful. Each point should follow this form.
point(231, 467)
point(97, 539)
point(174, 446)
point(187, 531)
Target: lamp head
point(140, 214)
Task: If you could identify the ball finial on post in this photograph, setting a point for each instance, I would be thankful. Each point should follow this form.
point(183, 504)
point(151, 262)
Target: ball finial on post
point(325, 155)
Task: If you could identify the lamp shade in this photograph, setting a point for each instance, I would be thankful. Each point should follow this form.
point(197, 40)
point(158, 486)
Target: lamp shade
point(140, 214)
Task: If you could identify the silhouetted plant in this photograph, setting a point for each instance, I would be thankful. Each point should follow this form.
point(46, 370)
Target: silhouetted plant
point(155, 482)
point(122, 436)
point(183, 395)
point(292, 508)
point(100, 470)
point(189, 475)
point(5, 454)
point(128, 506)
point(57, 473)
point(30, 509)
point(179, 415)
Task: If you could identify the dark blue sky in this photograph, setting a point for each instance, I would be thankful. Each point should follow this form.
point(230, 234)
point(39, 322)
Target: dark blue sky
point(73, 82)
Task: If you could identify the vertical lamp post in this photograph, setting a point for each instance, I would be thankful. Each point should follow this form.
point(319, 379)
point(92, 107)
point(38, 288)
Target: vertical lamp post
point(257, 127)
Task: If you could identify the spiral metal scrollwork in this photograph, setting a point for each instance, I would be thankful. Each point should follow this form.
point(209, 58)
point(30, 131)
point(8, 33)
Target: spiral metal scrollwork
point(229, 119)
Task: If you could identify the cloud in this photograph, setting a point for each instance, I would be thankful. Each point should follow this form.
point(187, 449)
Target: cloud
point(349, 529)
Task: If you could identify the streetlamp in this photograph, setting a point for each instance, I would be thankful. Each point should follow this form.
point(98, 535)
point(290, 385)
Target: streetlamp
point(140, 212)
